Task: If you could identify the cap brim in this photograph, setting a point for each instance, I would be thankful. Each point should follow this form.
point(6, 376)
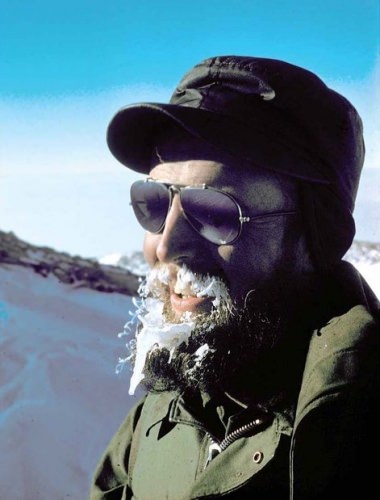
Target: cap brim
point(132, 135)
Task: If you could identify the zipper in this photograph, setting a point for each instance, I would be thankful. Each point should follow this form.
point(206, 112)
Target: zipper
point(217, 447)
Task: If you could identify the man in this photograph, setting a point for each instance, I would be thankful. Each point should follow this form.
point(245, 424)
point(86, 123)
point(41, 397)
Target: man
point(257, 344)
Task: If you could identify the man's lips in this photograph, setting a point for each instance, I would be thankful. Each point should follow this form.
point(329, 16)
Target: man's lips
point(191, 303)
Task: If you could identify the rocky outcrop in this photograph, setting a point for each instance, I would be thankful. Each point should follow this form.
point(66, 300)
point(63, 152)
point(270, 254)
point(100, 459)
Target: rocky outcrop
point(74, 270)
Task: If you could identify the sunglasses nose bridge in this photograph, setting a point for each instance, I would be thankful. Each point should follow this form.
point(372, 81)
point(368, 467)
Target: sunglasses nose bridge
point(174, 207)
point(175, 242)
point(175, 191)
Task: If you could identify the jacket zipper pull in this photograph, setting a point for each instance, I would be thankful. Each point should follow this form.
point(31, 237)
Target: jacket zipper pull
point(213, 450)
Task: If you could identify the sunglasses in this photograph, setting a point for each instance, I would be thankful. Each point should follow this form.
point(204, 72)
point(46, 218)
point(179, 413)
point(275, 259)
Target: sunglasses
point(214, 214)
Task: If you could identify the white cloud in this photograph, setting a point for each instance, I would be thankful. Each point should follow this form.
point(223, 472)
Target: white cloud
point(65, 133)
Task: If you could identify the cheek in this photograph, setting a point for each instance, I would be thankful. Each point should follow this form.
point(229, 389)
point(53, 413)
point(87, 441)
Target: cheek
point(242, 267)
point(255, 257)
point(259, 249)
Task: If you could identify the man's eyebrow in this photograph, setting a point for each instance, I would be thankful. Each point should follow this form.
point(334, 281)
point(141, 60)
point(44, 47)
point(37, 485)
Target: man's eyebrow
point(200, 185)
point(226, 188)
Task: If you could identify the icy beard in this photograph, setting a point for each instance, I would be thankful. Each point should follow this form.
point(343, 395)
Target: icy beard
point(228, 350)
point(160, 333)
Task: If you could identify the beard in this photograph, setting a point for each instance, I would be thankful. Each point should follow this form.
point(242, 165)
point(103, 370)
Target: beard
point(256, 352)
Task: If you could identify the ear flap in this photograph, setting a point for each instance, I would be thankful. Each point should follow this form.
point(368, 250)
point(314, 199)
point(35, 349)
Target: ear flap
point(329, 224)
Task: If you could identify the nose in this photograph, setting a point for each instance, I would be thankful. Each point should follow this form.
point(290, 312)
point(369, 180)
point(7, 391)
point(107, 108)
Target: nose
point(178, 243)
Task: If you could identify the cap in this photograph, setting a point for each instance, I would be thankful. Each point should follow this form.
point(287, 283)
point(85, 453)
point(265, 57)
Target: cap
point(265, 112)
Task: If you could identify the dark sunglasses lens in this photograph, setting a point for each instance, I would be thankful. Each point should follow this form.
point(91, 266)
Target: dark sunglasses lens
point(212, 214)
point(150, 202)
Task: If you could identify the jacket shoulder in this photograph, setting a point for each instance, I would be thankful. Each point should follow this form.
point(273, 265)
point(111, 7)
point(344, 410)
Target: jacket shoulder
point(341, 354)
point(337, 414)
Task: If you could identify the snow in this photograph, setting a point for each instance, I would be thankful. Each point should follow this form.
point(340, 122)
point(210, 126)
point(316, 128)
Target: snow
point(132, 261)
point(60, 399)
point(371, 273)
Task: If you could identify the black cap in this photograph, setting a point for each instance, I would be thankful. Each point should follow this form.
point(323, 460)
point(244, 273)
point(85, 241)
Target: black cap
point(265, 112)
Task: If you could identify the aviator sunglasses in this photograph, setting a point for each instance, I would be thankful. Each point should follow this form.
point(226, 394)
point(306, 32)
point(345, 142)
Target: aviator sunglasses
point(212, 213)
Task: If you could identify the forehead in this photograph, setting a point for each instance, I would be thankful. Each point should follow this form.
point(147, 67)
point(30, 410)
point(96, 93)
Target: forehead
point(253, 187)
point(181, 158)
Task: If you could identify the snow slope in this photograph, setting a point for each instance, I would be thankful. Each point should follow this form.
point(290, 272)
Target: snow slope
point(60, 400)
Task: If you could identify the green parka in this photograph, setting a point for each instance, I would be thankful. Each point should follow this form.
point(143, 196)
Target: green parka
point(328, 450)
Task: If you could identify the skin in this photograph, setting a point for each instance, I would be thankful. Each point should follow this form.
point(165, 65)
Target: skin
point(263, 250)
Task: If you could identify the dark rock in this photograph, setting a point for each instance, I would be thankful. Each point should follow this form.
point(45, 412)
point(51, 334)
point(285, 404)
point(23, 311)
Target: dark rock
point(74, 270)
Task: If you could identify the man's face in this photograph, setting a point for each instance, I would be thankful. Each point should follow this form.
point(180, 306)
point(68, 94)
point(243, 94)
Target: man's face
point(266, 249)
point(242, 297)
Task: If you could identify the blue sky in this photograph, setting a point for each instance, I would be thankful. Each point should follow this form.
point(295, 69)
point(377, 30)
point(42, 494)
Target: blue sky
point(58, 47)
point(67, 66)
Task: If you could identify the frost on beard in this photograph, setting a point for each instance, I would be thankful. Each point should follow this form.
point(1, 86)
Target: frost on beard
point(155, 332)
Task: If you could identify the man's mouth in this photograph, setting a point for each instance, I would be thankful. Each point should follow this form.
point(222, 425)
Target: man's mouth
point(192, 293)
point(184, 291)
point(190, 303)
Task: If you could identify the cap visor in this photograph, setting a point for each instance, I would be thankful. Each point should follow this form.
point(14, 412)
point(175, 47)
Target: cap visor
point(132, 135)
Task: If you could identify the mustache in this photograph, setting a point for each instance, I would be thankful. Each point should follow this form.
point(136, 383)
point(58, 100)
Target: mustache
point(164, 279)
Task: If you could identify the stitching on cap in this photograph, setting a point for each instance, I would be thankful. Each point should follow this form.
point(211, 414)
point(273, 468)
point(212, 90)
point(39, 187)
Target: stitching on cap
point(239, 64)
